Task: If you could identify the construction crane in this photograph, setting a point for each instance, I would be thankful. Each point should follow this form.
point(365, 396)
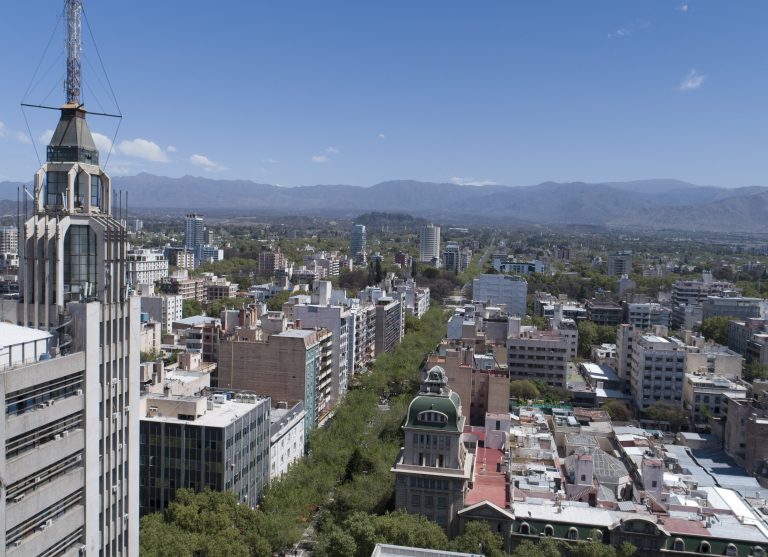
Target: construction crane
point(73, 10)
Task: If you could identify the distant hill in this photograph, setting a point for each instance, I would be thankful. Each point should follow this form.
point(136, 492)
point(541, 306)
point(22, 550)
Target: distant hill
point(651, 204)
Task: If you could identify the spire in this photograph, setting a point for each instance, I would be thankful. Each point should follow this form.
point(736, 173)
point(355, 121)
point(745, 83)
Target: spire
point(72, 11)
point(72, 141)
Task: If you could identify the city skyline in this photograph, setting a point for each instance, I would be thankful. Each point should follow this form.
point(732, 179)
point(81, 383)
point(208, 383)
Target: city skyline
point(514, 94)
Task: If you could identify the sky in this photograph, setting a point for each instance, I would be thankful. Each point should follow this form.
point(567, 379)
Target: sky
point(337, 92)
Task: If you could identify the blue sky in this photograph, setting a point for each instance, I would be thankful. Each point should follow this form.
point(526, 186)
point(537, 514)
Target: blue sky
point(511, 92)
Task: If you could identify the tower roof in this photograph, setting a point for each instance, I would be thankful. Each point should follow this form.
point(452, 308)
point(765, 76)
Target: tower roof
point(72, 141)
point(436, 406)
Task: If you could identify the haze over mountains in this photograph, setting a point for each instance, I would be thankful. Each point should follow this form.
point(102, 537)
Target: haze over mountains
point(647, 204)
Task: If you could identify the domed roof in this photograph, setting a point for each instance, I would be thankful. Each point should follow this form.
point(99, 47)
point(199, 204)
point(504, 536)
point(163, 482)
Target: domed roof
point(436, 406)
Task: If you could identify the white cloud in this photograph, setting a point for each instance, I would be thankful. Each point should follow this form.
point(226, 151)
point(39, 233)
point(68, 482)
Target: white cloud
point(143, 149)
point(45, 137)
point(618, 33)
point(332, 150)
point(693, 80)
point(171, 149)
point(21, 137)
point(2, 129)
point(381, 136)
point(320, 158)
point(206, 163)
point(268, 161)
point(683, 8)
point(103, 143)
point(472, 182)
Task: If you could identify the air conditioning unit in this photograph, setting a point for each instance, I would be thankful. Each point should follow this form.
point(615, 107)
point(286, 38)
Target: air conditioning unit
point(57, 437)
point(51, 402)
point(42, 405)
point(79, 392)
point(114, 381)
point(17, 543)
point(65, 433)
point(115, 488)
point(115, 415)
point(78, 458)
point(38, 479)
point(19, 498)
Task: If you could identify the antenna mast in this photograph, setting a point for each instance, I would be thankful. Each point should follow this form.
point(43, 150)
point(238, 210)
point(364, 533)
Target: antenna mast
point(73, 10)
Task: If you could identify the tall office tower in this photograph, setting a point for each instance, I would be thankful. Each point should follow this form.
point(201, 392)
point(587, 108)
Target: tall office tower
point(429, 244)
point(9, 239)
point(358, 240)
point(193, 231)
point(73, 285)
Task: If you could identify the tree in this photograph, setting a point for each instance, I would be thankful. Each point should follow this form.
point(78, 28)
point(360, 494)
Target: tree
point(275, 303)
point(523, 389)
point(545, 547)
point(190, 308)
point(335, 543)
point(715, 328)
point(617, 410)
point(663, 412)
point(478, 537)
point(755, 370)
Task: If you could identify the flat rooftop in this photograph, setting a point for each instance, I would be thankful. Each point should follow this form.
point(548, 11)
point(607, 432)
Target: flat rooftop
point(221, 415)
point(13, 334)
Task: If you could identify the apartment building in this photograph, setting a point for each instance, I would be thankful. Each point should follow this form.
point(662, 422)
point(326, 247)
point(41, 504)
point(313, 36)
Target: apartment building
point(502, 289)
point(429, 244)
point(145, 266)
point(604, 312)
point(286, 437)
point(416, 298)
point(646, 315)
point(704, 395)
point(620, 263)
point(164, 309)
point(181, 284)
point(289, 365)
point(9, 239)
point(657, 370)
point(542, 355)
point(686, 292)
point(390, 323)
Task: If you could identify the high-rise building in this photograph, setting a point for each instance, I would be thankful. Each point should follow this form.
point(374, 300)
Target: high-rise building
point(358, 242)
point(145, 266)
point(452, 257)
point(502, 289)
point(657, 371)
point(620, 263)
point(429, 244)
point(9, 239)
point(193, 231)
point(75, 427)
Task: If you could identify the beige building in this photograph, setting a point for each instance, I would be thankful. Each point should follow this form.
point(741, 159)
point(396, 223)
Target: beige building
point(539, 355)
point(482, 386)
point(290, 365)
point(745, 432)
point(704, 395)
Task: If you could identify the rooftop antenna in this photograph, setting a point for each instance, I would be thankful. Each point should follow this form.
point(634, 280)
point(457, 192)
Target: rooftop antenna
point(73, 10)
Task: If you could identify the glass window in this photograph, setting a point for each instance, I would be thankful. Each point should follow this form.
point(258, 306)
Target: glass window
point(96, 191)
point(80, 263)
point(55, 186)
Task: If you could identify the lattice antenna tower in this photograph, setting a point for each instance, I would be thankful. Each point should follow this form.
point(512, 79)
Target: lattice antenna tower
point(73, 11)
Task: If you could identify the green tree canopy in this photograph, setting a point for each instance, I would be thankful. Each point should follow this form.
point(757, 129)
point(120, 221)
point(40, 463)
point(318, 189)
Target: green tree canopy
point(523, 389)
point(190, 308)
point(478, 538)
point(617, 410)
point(275, 303)
point(663, 412)
point(715, 328)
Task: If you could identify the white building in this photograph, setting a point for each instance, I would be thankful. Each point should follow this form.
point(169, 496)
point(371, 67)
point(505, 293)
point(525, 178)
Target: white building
point(416, 298)
point(703, 394)
point(145, 266)
point(286, 438)
point(429, 244)
point(9, 239)
point(164, 309)
point(657, 371)
point(502, 289)
point(335, 319)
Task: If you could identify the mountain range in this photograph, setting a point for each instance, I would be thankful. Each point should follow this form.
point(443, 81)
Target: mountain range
point(643, 204)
